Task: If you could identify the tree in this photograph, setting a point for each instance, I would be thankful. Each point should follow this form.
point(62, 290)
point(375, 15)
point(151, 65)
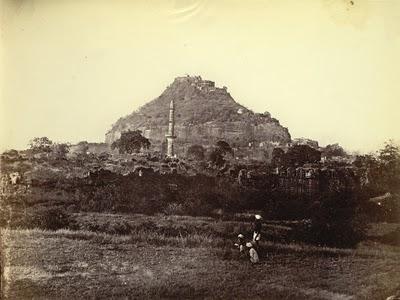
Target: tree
point(224, 147)
point(131, 142)
point(278, 157)
point(390, 154)
point(389, 164)
point(337, 220)
point(302, 154)
point(41, 144)
point(10, 155)
point(334, 150)
point(60, 150)
point(80, 151)
point(380, 173)
point(365, 161)
point(82, 148)
point(196, 152)
point(217, 155)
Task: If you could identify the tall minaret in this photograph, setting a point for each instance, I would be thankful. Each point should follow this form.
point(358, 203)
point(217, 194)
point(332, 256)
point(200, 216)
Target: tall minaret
point(171, 130)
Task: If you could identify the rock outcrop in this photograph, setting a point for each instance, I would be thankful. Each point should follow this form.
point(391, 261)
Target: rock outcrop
point(204, 114)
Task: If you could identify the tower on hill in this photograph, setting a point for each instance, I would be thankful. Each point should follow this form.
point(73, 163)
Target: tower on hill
point(171, 130)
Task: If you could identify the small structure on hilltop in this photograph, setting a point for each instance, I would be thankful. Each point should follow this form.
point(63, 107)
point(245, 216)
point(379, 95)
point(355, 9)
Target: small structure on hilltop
point(171, 130)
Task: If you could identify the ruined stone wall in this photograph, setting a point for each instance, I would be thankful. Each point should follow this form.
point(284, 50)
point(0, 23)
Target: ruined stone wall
point(305, 181)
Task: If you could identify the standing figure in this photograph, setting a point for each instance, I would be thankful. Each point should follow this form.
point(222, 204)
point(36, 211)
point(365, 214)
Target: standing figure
point(257, 229)
point(253, 254)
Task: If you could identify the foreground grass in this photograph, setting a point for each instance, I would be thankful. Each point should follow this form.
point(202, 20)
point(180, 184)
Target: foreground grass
point(152, 264)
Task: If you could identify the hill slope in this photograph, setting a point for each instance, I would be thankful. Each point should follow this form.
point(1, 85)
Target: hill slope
point(204, 114)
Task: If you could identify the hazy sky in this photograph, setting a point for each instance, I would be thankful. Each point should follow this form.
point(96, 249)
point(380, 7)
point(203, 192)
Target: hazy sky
point(327, 69)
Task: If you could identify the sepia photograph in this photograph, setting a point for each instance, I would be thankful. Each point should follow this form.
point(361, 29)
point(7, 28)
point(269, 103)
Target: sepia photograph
point(200, 149)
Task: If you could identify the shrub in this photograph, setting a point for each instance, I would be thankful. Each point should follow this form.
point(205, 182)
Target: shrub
point(174, 209)
point(131, 142)
point(337, 221)
point(49, 218)
point(195, 152)
point(116, 226)
point(10, 156)
point(281, 205)
point(386, 210)
point(200, 204)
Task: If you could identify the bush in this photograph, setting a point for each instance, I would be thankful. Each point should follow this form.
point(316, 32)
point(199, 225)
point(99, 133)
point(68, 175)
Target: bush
point(337, 221)
point(281, 205)
point(10, 156)
point(195, 152)
point(386, 210)
point(49, 218)
point(174, 209)
point(116, 227)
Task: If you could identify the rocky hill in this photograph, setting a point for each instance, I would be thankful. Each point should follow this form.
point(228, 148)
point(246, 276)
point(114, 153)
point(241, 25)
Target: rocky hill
point(204, 114)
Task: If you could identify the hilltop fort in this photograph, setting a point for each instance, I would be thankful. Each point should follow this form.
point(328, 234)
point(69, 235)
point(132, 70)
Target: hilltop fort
point(204, 114)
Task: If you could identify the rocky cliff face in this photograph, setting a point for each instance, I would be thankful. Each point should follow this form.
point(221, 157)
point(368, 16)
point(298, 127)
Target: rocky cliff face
point(204, 114)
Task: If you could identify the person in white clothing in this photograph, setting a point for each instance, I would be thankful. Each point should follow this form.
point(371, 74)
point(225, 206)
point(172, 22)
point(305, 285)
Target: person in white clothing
point(241, 243)
point(257, 229)
point(253, 254)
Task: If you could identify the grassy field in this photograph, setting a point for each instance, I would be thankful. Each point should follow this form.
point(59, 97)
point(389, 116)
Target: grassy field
point(121, 256)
